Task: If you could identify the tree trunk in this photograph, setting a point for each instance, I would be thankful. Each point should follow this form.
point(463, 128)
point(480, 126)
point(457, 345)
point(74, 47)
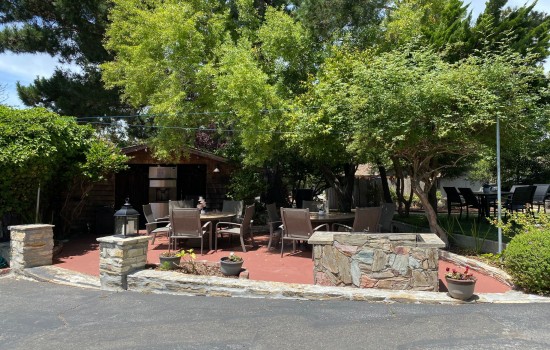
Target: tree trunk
point(385, 186)
point(404, 205)
point(275, 191)
point(432, 197)
point(342, 185)
point(423, 193)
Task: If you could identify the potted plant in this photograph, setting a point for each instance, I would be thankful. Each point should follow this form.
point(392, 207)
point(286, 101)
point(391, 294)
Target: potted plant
point(231, 265)
point(170, 260)
point(460, 285)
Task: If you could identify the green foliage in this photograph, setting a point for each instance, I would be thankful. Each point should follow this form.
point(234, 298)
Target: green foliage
point(234, 257)
point(245, 184)
point(527, 259)
point(355, 22)
point(523, 30)
point(38, 147)
point(74, 32)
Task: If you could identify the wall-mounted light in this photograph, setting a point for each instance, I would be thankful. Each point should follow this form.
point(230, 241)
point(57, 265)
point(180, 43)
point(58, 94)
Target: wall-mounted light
point(217, 169)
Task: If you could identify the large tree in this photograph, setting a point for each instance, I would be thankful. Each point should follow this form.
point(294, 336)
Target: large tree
point(73, 31)
point(413, 105)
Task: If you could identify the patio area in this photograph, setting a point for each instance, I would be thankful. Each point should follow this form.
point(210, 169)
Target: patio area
point(82, 255)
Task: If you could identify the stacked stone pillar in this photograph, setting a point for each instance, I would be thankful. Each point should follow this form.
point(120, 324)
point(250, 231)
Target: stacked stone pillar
point(31, 246)
point(119, 257)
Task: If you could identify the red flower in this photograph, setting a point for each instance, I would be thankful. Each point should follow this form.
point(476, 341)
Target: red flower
point(447, 269)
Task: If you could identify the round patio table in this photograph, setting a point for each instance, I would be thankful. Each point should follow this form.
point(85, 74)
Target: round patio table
point(330, 218)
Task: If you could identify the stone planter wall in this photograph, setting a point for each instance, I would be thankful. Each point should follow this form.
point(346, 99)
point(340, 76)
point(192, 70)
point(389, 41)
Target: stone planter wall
point(387, 261)
point(119, 257)
point(31, 246)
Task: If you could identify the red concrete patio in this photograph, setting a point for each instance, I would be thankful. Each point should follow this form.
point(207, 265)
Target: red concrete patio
point(82, 255)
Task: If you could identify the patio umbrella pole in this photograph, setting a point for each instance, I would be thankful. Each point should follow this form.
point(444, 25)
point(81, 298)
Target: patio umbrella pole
point(499, 205)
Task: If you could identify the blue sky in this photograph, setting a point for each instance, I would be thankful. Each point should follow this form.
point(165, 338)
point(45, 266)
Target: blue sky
point(26, 67)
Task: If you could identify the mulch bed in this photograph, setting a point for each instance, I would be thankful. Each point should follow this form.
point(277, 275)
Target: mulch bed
point(202, 268)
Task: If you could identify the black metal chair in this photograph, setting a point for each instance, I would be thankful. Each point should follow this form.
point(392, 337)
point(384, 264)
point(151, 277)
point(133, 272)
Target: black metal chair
point(454, 199)
point(471, 201)
point(541, 196)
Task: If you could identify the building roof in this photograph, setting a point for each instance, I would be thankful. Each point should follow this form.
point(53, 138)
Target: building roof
point(136, 148)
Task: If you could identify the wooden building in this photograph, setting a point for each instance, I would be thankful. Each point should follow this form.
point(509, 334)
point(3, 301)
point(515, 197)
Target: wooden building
point(147, 180)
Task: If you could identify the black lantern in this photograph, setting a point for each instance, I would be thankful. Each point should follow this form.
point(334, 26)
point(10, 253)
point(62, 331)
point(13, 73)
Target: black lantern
point(126, 220)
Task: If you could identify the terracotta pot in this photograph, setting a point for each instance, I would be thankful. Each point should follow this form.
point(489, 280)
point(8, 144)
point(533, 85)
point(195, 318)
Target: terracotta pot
point(230, 268)
point(460, 289)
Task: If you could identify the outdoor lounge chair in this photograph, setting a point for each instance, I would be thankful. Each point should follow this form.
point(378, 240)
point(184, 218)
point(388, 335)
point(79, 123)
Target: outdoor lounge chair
point(233, 229)
point(471, 200)
point(274, 223)
point(297, 227)
point(454, 200)
point(541, 196)
point(153, 226)
point(522, 199)
point(366, 220)
point(185, 223)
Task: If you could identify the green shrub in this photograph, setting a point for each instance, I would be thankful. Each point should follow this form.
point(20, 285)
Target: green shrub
point(527, 259)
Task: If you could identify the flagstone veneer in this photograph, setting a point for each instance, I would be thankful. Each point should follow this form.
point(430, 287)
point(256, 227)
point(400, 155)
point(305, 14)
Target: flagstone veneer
point(120, 256)
point(31, 245)
point(371, 260)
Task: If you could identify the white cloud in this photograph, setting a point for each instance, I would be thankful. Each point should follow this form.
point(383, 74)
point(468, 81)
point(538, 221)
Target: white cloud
point(24, 68)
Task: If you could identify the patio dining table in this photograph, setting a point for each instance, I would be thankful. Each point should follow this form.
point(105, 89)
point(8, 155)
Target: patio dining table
point(330, 218)
point(485, 199)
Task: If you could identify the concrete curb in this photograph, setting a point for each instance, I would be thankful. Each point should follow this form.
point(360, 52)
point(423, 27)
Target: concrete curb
point(59, 275)
point(166, 282)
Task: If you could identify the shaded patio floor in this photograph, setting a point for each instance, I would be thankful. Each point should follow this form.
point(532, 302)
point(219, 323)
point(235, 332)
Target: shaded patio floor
point(82, 255)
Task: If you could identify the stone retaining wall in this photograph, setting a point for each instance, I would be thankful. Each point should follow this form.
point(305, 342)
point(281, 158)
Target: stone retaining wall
point(387, 261)
point(31, 245)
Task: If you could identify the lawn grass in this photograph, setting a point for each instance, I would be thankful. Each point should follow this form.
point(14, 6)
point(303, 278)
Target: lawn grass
point(472, 226)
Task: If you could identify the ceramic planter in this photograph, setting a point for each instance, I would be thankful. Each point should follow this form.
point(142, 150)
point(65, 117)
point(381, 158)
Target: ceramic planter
point(230, 268)
point(173, 261)
point(460, 289)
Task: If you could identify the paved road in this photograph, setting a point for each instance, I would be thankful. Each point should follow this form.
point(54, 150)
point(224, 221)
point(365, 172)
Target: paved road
point(37, 315)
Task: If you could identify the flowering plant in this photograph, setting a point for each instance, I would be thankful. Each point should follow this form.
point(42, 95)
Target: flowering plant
point(234, 257)
point(454, 274)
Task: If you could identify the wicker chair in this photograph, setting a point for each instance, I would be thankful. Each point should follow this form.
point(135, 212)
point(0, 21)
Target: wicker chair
point(454, 200)
point(471, 200)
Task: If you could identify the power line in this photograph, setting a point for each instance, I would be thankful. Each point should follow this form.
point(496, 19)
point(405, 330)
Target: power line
point(196, 128)
point(153, 115)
